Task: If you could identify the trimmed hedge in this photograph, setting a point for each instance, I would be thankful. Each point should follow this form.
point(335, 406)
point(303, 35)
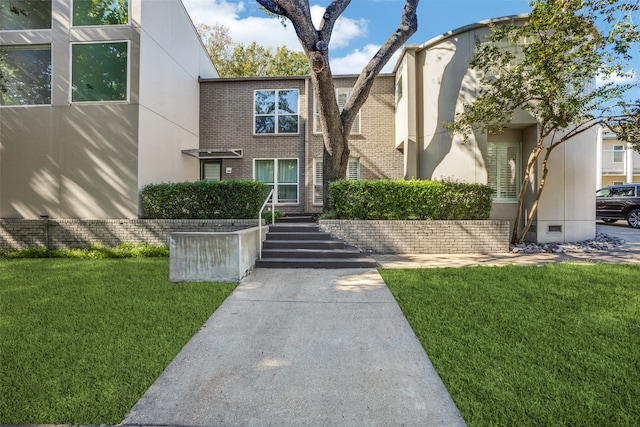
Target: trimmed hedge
point(415, 199)
point(227, 199)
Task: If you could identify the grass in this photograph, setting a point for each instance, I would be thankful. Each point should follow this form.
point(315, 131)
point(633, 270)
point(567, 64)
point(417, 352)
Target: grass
point(83, 339)
point(531, 346)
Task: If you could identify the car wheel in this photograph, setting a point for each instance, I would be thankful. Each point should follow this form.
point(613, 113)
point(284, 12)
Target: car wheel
point(634, 218)
point(609, 220)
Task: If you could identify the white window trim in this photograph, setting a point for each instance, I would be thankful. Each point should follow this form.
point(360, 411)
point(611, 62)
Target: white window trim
point(275, 178)
point(102, 25)
point(119, 101)
point(317, 129)
point(297, 132)
point(317, 162)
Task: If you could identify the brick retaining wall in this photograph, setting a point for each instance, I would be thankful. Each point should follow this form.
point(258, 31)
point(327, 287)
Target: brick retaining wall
point(425, 237)
point(77, 233)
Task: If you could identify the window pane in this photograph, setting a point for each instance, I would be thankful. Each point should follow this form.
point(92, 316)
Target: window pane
point(211, 171)
point(100, 12)
point(287, 193)
point(503, 166)
point(99, 72)
point(265, 101)
point(288, 171)
point(25, 75)
point(264, 171)
point(287, 124)
point(265, 124)
point(25, 14)
point(618, 153)
point(288, 102)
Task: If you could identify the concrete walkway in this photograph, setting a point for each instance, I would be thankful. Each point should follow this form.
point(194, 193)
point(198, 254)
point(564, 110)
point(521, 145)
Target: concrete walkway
point(301, 347)
point(316, 347)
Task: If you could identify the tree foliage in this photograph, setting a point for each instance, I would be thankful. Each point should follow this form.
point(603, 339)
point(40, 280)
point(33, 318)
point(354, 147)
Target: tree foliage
point(239, 60)
point(336, 123)
point(563, 49)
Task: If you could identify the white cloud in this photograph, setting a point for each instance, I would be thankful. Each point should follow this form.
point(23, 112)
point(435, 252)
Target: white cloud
point(265, 30)
point(354, 62)
point(630, 76)
point(345, 29)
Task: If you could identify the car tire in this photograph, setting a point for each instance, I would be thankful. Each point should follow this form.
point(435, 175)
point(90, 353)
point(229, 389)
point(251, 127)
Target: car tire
point(634, 218)
point(609, 220)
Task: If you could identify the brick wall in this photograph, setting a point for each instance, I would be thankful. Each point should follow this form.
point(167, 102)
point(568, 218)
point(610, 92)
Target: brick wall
point(425, 237)
point(76, 233)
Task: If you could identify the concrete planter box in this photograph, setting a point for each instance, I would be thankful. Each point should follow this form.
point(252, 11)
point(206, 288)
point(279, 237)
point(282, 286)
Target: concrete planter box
point(214, 257)
point(422, 237)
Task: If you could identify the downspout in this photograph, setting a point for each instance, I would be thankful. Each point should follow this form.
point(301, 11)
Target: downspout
point(306, 148)
point(599, 158)
point(629, 161)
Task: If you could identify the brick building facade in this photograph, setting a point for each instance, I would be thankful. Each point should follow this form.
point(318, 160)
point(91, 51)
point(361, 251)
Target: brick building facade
point(234, 146)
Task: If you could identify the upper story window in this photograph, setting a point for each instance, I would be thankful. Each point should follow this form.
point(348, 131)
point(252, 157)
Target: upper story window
point(99, 72)
point(276, 111)
point(618, 153)
point(100, 12)
point(25, 75)
point(25, 15)
point(342, 95)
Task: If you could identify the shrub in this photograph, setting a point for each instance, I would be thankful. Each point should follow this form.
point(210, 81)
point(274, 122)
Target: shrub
point(228, 199)
point(415, 199)
point(123, 250)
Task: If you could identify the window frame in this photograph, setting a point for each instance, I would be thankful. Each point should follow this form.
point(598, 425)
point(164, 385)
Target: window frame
point(317, 177)
point(503, 146)
point(127, 74)
point(357, 123)
point(74, 25)
point(276, 184)
point(33, 47)
point(276, 113)
point(203, 164)
point(618, 152)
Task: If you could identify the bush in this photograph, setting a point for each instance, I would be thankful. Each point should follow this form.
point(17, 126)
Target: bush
point(123, 250)
point(228, 199)
point(415, 199)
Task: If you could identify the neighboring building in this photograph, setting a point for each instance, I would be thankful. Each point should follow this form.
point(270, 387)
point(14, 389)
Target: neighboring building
point(100, 99)
point(79, 146)
point(620, 163)
point(432, 82)
point(267, 129)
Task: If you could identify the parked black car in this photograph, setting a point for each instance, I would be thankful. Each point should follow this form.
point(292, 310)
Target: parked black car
point(619, 202)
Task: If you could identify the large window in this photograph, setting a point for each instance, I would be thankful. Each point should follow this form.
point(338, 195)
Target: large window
point(100, 12)
point(280, 175)
point(342, 95)
point(353, 173)
point(99, 72)
point(276, 111)
point(25, 14)
point(503, 170)
point(25, 75)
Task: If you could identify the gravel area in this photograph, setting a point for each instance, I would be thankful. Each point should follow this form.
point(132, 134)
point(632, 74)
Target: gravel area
point(602, 242)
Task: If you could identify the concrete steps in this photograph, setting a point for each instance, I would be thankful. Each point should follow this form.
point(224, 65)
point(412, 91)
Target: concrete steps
point(299, 243)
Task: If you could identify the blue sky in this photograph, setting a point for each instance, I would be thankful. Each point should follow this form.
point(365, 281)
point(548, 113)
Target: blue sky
point(363, 27)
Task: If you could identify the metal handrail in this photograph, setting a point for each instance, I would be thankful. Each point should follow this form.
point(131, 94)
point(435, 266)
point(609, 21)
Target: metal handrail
point(273, 216)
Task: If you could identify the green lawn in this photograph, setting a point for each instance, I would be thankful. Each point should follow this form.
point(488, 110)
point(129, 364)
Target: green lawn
point(82, 340)
point(531, 346)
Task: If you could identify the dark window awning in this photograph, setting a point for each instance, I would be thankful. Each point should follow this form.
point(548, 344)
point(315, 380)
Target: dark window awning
point(211, 153)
